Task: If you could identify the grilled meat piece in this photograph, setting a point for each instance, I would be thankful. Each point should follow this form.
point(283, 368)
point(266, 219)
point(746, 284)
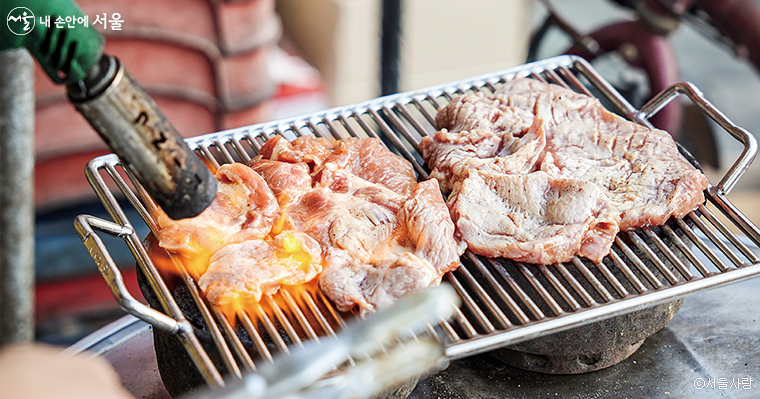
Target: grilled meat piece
point(428, 223)
point(640, 168)
point(350, 210)
point(383, 235)
point(534, 218)
point(569, 137)
point(247, 270)
point(244, 208)
point(288, 181)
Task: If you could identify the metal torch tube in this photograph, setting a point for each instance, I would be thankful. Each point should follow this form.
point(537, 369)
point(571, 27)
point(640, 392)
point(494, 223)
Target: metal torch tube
point(149, 146)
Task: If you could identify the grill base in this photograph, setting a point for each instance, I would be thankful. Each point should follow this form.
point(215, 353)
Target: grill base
point(591, 347)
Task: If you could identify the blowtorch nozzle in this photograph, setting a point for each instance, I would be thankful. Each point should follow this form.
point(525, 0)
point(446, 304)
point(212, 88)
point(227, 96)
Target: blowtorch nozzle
point(134, 127)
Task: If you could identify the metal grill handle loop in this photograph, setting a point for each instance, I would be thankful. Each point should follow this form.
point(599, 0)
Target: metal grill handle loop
point(86, 226)
point(695, 95)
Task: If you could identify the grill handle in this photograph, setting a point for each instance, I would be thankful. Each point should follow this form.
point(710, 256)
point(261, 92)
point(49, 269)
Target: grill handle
point(742, 163)
point(87, 227)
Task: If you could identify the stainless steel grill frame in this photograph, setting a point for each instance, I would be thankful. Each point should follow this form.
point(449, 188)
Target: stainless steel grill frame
point(503, 302)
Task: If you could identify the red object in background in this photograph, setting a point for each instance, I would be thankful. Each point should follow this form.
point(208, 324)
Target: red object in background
point(78, 295)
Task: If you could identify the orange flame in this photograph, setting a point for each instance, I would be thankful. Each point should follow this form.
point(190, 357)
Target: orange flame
point(290, 255)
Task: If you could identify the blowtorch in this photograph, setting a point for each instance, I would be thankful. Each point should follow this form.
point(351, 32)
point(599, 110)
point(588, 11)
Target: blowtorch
point(104, 92)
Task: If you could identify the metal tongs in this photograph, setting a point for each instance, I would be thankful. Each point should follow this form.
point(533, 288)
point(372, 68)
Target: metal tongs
point(376, 353)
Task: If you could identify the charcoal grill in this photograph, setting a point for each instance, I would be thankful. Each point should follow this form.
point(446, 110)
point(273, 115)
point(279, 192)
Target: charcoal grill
point(503, 303)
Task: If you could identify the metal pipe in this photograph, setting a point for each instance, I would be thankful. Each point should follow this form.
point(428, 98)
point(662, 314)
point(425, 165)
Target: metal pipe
point(16, 196)
point(390, 47)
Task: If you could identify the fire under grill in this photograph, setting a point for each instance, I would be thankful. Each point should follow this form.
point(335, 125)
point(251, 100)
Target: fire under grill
point(503, 302)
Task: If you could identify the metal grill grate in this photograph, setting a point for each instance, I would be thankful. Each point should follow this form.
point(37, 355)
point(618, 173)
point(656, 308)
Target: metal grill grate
point(503, 302)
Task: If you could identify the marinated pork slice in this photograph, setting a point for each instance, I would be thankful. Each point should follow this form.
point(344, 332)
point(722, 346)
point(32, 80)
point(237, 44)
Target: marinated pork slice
point(572, 137)
point(288, 181)
point(244, 208)
point(366, 158)
point(343, 221)
point(428, 223)
point(534, 218)
point(640, 169)
point(350, 284)
point(452, 155)
point(481, 112)
point(350, 210)
point(377, 244)
point(247, 270)
point(309, 150)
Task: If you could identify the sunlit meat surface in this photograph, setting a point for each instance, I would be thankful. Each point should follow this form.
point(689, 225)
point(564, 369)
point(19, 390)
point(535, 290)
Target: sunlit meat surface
point(488, 143)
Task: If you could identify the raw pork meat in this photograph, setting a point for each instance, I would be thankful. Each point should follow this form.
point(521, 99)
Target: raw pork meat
point(489, 146)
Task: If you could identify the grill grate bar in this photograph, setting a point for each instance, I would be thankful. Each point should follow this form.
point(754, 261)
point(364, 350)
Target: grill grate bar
point(222, 148)
point(574, 305)
point(240, 151)
point(252, 331)
point(320, 318)
point(469, 303)
point(540, 289)
point(232, 337)
point(491, 306)
point(497, 288)
point(206, 154)
point(715, 238)
point(620, 264)
point(595, 283)
point(725, 250)
point(402, 128)
point(396, 142)
point(553, 77)
point(709, 215)
point(221, 343)
point(573, 81)
point(348, 126)
point(702, 245)
point(640, 266)
point(415, 123)
point(449, 331)
point(136, 200)
point(669, 254)
point(611, 278)
point(522, 296)
point(302, 321)
point(421, 107)
point(283, 321)
point(647, 250)
point(331, 310)
point(578, 289)
point(686, 249)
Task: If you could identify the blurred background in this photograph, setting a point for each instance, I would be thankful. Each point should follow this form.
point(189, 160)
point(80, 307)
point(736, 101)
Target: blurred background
point(215, 64)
